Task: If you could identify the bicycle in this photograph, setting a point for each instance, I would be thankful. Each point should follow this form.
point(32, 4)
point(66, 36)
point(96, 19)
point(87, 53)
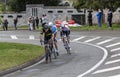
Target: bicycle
point(49, 50)
point(66, 45)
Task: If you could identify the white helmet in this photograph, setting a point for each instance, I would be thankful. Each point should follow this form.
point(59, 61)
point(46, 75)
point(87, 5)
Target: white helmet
point(50, 24)
point(64, 23)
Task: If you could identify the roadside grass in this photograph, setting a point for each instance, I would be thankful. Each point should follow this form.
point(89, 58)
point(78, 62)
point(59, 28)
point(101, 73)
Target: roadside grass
point(95, 27)
point(13, 54)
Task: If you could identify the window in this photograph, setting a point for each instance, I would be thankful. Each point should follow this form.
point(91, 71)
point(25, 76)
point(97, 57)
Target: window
point(19, 16)
point(50, 11)
point(70, 11)
point(10, 16)
point(60, 11)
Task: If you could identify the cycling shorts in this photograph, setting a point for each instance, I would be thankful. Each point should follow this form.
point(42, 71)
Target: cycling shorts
point(65, 33)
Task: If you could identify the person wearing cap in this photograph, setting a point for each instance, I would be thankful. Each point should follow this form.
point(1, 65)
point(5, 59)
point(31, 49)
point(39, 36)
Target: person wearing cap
point(48, 35)
point(54, 30)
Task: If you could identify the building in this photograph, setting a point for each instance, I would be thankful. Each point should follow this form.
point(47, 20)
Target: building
point(37, 10)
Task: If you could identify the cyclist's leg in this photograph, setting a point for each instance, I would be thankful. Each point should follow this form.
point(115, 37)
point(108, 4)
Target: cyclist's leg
point(55, 41)
point(68, 36)
point(56, 46)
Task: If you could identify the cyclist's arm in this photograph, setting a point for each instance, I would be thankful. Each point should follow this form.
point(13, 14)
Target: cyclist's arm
point(52, 38)
point(41, 36)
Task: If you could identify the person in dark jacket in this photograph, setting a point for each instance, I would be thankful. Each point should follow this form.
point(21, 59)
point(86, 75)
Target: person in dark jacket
point(5, 24)
point(90, 18)
point(15, 23)
point(110, 15)
point(37, 22)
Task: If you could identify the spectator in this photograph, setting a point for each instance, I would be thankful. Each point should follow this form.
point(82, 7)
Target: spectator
point(5, 24)
point(99, 17)
point(44, 20)
point(15, 23)
point(37, 22)
point(90, 18)
point(30, 22)
point(109, 18)
point(33, 21)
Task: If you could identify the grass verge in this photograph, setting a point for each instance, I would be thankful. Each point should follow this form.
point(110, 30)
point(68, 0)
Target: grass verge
point(95, 27)
point(13, 54)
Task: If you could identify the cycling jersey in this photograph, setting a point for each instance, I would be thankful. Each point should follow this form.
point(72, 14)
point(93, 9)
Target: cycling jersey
point(54, 29)
point(47, 35)
point(65, 30)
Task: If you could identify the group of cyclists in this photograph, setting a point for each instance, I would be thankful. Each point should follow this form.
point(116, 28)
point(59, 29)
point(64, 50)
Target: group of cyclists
point(49, 32)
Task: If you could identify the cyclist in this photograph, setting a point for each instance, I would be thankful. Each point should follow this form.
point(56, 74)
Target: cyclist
point(65, 31)
point(48, 36)
point(54, 30)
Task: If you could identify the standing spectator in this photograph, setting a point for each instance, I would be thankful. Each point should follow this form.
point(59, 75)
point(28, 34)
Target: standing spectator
point(109, 18)
point(15, 23)
point(44, 20)
point(5, 24)
point(37, 22)
point(90, 18)
point(30, 22)
point(33, 21)
point(99, 18)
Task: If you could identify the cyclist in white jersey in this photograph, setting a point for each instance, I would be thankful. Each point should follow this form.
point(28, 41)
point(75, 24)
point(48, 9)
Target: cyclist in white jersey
point(65, 31)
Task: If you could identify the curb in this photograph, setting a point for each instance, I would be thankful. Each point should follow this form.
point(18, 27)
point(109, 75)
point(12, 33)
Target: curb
point(20, 67)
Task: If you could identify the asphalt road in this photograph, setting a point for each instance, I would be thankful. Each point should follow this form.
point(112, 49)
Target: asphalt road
point(94, 54)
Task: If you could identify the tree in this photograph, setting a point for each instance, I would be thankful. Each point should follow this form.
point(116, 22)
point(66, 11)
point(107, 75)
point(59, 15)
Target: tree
point(2, 7)
point(45, 2)
point(17, 5)
point(97, 4)
point(20, 5)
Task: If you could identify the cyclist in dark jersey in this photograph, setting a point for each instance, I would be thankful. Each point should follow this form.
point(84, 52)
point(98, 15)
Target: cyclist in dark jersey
point(48, 38)
point(48, 34)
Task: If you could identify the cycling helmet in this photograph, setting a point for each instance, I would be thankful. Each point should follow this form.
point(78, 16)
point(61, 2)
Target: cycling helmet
point(46, 27)
point(64, 23)
point(50, 24)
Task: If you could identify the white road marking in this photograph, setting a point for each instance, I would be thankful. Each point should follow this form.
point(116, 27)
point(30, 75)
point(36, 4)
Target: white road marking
point(113, 61)
point(92, 39)
point(107, 70)
point(35, 64)
point(31, 37)
point(115, 55)
point(78, 38)
point(116, 49)
point(111, 45)
point(99, 63)
point(13, 37)
point(115, 76)
point(105, 41)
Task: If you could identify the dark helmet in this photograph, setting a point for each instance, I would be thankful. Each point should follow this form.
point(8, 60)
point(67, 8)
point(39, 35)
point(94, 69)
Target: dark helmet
point(46, 27)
